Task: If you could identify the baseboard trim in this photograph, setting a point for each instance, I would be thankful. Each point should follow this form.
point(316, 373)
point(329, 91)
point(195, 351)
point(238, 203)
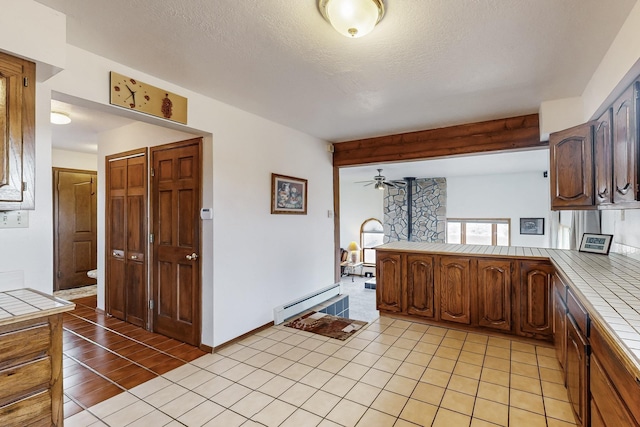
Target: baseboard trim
point(206, 348)
point(243, 336)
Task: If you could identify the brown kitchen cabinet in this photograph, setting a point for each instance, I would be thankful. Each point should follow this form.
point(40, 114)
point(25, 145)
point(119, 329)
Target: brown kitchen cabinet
point(454, 289)
point(625, 151)
point(494, 294)
point(576, 370)
point(571, 174)
point(603, 161)
point(420, 291)
point(17, 133)
point(560, 321)
point(534, 300)
point(389, 289)
point(595, 164)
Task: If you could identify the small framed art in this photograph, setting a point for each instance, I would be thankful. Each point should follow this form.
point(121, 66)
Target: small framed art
point(531, 225)
point(288, 195)
point(596, 243)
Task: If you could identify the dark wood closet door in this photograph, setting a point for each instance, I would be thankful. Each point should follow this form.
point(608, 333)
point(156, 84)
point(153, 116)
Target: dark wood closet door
point(74, 202)
point(176, 273)
point(126, 277)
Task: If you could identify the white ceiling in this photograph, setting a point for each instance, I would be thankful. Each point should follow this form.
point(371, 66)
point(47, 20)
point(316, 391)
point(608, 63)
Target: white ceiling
point(429, 63)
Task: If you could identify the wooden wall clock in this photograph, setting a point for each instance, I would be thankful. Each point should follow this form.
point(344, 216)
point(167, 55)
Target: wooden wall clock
point(136, 95)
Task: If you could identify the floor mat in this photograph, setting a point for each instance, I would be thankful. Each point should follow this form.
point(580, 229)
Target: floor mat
point(327, 325)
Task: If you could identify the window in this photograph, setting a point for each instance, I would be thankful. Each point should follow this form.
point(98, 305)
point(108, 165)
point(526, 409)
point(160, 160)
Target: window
point(496, 232)
point(371, 235)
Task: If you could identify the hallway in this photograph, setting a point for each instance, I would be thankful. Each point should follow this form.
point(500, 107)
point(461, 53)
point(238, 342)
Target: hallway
point(104, 356)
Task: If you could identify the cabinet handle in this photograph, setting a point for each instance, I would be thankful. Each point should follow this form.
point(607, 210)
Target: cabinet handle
point(134, 256)
point(192, 257)
point(624, 190)
point(604, 193)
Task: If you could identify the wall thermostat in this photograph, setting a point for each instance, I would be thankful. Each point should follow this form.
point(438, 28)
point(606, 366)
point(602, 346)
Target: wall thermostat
point(206, 213)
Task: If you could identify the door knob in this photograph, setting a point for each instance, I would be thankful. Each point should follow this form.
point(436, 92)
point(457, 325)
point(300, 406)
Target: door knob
point(192, 257)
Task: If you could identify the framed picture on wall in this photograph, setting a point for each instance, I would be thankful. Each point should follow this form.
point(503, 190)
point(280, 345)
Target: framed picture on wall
point(288, 195)
point(596, 243)
point(532, 226)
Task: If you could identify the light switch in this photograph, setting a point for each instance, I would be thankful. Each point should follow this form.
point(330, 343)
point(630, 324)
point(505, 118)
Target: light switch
point(14, 219)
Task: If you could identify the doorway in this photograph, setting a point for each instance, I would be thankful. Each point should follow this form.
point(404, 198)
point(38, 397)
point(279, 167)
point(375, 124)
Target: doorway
point(74, 227)
point(161, 243)
point(176, 200)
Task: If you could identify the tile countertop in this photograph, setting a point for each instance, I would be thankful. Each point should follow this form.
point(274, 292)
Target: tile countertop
point(26, 304)
point(608, 286)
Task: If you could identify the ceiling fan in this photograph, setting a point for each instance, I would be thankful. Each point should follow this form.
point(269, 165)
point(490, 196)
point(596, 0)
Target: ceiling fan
point(380, 182)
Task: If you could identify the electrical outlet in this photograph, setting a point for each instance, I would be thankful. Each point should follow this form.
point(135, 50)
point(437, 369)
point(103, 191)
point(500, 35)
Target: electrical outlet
point(14, 219)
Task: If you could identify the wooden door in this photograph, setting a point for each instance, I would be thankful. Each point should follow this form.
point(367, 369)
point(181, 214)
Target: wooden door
point(455, 289)
point(126, 225)
point(421, 286)
point(572, 167)
point(602, 159)
point(176, 199)
point(494, 294)
point(625, 162)
point(74, 227)
point(535, 300)
point(388, 282)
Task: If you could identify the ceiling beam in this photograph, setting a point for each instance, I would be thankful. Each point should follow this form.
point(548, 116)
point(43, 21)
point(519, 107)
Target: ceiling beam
point(514, 133)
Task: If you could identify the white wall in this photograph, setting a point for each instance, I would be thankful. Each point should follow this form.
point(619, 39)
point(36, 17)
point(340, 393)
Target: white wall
point(74, 160)
point(357, 204)
point(625, 227)
point(252, 261)
point(514, 196)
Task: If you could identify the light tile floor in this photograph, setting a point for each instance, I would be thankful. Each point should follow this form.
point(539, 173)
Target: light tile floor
point(391, 373)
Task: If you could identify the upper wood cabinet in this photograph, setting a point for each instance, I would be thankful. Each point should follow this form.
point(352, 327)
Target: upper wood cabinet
point(625, 152)
point(595, 165)
point(572, 167)
point(602, 159)
point(17, 133)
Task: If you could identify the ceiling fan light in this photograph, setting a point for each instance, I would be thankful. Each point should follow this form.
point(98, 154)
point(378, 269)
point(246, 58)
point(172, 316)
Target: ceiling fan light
point(352, 18)
point(379, 186)
point(59, 118)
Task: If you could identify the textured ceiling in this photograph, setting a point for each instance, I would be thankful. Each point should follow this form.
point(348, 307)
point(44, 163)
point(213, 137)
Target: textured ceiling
point(429, 63)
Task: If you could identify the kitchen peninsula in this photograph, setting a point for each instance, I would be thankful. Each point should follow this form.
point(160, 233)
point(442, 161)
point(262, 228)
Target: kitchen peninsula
point(588, 305)
point(31, 358)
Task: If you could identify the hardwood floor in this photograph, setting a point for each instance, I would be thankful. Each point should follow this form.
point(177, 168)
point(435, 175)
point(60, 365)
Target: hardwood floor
point(104, 356)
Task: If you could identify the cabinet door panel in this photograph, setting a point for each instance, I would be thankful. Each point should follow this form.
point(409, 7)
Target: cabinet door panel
point(455, 289)
point(576, 370)
point(388, 282)
point(610, 409)
point(559, 328)
point(420, 285)
point(535, 299)
point(624, 148)
point(603, 159)
point(494, 294)
point(572, 167)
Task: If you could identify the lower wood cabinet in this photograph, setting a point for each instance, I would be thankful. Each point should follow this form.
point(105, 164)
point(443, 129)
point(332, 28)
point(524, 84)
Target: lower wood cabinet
point(454, 288)
point(535, 299)
point(576, 370)
point(389, 288)
point(31, 373)
point(560, 328)
point(494, 294)
point(607, 408)
point(421, 286)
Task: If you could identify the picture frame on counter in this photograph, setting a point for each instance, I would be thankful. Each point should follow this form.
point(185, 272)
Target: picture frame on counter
point(596, 243)
point(288, 195)
point(532, 226)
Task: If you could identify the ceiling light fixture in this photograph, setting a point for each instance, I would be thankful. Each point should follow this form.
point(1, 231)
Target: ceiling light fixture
point(59, 118)
point(352, 18)
point(379, 186)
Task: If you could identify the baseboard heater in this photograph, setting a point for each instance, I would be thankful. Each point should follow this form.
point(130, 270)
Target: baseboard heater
point(298, 306)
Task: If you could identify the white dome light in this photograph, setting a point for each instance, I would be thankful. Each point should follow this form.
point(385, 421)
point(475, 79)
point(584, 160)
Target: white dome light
point(352, 18)
point(59, 118)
